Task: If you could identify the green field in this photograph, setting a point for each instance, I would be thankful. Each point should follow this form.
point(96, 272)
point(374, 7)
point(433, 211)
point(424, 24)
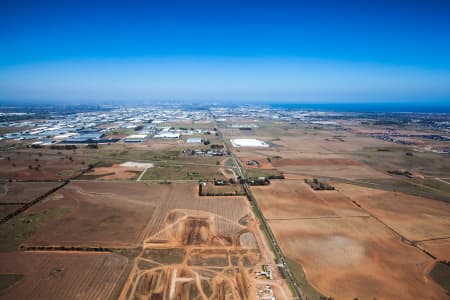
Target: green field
point(182, 172)
point(300, 278)
point(165, 256)
point(441, 274)
point(6, 280)
point(18, 229)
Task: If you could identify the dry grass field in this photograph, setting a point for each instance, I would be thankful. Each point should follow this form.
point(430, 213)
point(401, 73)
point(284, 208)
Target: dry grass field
point(439, 248)
point(32, 164)
point(294, 199)
point(114, 172)
point(192, 246)
point(357, 257)
point(24, 192)
point(188, 171)
point(5, 210)
point(313, 152)
point(106, 214)
point(415, 218)
point(50, 275)
point(347, 240)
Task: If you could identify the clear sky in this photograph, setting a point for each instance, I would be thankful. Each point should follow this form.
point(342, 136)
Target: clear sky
point(279, 51)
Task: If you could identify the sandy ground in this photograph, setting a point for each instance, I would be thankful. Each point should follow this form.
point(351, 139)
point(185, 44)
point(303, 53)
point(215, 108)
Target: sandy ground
point(137, 165)
point(118, 172)
point(215, 242)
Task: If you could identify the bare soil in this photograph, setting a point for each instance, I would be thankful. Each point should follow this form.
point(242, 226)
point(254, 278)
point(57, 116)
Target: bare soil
point(293, 199)
point(360, 257)
point(61, 275)
point(116, 171)
point(439, 248)
point(218, 251)
point(416, 218)
point(107, 214)
point(24, 192)
point(315, 162)
point(43, 167)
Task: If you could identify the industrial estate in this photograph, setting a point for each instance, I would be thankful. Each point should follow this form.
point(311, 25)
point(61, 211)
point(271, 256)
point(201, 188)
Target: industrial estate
point(223, 202)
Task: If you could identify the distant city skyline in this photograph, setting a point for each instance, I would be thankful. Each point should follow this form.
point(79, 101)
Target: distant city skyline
point(326, 52)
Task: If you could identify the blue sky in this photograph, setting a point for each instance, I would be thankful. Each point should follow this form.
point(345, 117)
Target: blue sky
point(319, 51)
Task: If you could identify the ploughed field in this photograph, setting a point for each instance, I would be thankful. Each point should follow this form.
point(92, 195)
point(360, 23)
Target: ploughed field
point(359, 242)
point(128, 240)
point(379, 234)
point(23, 192)
point(48, 275)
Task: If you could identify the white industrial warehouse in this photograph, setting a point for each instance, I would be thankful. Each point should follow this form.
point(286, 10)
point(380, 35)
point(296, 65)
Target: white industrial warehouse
point(248, 143)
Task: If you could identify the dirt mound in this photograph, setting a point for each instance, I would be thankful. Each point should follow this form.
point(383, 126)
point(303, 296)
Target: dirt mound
point(196, 231)
point(114, 172)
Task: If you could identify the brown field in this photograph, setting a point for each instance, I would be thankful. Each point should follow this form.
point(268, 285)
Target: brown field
point(360, 257)
point(107, 214)
point(210, 189)
point(439, 248)
point(327, 233)
point(212, 241)
point(8, 209)
point(116, 171)
point(310, 152)
point(415, 218)
point(24, 192)
point(4, 130)
point(314, 162)
point(56, 275)
point(335, 171)
point(188, 171)
point(43, 167)
point(323, 142)
point(294, 199)
point(192, 249)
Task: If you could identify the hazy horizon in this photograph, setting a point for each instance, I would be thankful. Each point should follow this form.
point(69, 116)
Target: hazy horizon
point(389, 52)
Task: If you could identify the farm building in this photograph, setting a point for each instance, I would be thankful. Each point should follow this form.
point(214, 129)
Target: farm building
point(135, 138)
point(167, 135)
point(194, 140)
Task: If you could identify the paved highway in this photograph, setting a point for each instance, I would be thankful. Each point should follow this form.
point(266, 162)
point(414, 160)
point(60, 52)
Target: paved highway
point(270, 235)
point(262, 220)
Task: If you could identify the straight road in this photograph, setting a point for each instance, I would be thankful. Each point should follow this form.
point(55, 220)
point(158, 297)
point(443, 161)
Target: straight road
point(263, 222)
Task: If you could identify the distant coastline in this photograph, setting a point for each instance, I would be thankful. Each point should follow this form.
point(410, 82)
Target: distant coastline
point(420, 107)
point(357, 107)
